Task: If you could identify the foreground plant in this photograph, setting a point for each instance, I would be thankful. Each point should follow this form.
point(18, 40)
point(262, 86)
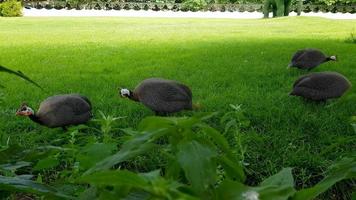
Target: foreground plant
point(198, 163)
point(19, 74)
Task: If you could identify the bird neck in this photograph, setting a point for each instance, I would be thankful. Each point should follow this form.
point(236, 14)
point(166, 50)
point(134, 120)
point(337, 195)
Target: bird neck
point(35, 118)
point(133, 96)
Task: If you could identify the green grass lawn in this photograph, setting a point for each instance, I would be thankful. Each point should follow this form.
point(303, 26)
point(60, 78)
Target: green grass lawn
point(224, 61)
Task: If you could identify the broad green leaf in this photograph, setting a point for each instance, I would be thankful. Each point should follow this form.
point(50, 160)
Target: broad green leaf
point(151, 176)
point(92, 153)
point(115, 178)
point(10, 153)
point(172, 169)
point(51, 147)
point(46, 163)
point(277, 187)
point(14, 166)
point(282, 178)
point(237, 191)
point(234, 170)
point(90, 193)
point(198, 164)
point(275, 192)
point(121, 156)
point(139, 144)
point(344, 169)
point(19, 74)
point(217, 138)
point(220, 140)
point(138, 195)
point(22, 185)
point(155, 123)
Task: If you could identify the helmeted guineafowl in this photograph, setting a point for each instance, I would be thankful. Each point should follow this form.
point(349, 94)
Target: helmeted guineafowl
point(161, 96)
point(321, 86)
point(308, 59)
point(60, 111)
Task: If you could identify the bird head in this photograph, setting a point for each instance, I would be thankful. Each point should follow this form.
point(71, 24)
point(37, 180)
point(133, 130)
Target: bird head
point(24, 110)
point(125, 93)
point(333, 58)
point(290, 65)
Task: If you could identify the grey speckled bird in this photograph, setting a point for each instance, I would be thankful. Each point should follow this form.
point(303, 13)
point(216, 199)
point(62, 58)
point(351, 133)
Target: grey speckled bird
point(60, 111)
point(161, 96)
point(308, 59)
point(321, 86)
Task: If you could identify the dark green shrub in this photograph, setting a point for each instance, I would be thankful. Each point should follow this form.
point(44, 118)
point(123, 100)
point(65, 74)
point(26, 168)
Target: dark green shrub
point(193, 5)
point(11, 8)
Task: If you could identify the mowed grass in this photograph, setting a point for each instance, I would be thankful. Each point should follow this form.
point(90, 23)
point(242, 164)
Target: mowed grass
point(223, 61)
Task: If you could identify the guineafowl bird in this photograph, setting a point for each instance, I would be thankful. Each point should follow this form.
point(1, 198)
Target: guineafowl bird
point(308, 59)
point(321, 86)
point(161, 96)
point(60, 111)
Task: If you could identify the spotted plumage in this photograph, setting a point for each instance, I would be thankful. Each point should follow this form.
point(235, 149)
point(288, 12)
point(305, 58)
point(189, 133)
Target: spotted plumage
point(161, 96)
point(308, 59)
point(60, 111)
point(321, 86)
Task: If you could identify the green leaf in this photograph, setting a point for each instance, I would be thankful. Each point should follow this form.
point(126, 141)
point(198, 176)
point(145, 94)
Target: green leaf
point(14, 166)
point(46, 163)
point(23, 185)
point(19, 74)
point(92, 153)
point(156, 123)
point(10, 152)
point(234, 170)
point(117, 178)
point(139, 144)
point(198, 164)
point(277, 187)
point(344, 169)
point(275, 192)
point(237, 191)
point(354, 125)
point(217, 137)
point(282, 178)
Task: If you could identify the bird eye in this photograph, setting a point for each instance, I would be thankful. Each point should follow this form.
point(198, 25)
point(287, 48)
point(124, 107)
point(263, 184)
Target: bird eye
point(24, 109)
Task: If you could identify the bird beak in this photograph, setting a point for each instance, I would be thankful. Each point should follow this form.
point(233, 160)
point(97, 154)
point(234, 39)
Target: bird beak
point(289, 66)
